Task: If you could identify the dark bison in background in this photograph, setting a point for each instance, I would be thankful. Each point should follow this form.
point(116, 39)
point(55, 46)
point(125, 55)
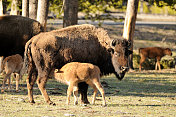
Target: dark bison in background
point(15, 31)
point(81, 43)
point(155, 53)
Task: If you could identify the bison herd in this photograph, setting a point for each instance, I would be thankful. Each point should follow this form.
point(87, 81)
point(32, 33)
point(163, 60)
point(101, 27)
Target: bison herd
point(79, 53)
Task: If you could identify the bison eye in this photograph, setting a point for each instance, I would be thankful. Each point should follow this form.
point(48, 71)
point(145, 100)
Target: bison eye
point(116, 54)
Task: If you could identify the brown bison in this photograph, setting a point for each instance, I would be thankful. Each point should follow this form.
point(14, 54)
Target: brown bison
point(15, 31)
point(81, 43)
point(73, 73)
point(153, 52)
point(11, 64)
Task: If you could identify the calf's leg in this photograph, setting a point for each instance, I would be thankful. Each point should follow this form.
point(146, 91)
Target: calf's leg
point(100, 88)
point(17, 82)
point(6, 76)
point(69, 92)
point(75, 94)
point(158, 63)
point(9, 82)
point(95, 90)
point(141, 61)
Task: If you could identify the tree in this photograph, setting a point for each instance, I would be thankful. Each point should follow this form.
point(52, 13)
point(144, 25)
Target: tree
point(25, 8)
point(33, 9)
point(70, 13)
point(42, 12)
point(129, 25)
point(4, 6)
point(14, 7)
point(1, 8)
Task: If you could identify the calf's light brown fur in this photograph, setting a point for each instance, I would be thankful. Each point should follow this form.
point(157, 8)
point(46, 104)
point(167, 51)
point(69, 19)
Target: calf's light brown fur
point(11, 64)
point(153, 52)
point(74, 73)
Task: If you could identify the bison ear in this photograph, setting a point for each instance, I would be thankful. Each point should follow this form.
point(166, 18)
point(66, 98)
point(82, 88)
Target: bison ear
point(113, 42)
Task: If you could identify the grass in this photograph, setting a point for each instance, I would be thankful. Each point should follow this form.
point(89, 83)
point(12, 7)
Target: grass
point(146, 93)
point(140, 94)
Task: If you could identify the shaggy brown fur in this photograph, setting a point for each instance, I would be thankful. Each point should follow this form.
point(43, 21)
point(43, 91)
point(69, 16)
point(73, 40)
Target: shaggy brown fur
point(81, 43)
point(11, 64)
point(153, 52)
point(74, 73)
point(15, 31)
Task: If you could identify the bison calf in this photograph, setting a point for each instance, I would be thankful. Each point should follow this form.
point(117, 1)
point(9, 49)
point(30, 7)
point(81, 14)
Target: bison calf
point(11, 64)
point(74, 73)
point(153, 52)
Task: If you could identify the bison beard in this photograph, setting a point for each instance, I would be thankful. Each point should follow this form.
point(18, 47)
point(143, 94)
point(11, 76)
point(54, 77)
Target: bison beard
point(80, 43)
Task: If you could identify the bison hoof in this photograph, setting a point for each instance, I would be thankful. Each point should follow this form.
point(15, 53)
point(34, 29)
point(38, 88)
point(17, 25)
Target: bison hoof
point(76, 103)
point(85, 102)
point(104, 105)
point(32, 102)
point(52, 103)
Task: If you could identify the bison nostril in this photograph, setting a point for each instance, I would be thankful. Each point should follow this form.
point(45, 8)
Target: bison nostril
point(124, 68)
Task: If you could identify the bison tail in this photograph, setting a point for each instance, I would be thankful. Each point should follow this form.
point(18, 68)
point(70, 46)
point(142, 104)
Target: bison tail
point(27, 57)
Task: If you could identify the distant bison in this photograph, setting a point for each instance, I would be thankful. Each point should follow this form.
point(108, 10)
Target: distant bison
point(153, 52)
point(81, 43)
point(74, 73)
point(11, 64)
point(15, 31)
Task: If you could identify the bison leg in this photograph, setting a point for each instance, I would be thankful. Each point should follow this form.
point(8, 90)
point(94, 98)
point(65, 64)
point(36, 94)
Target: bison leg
point(41, 81)
point(32, 76)
point(83, 87)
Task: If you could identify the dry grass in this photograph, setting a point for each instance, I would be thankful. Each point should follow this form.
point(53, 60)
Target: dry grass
point(147, 93)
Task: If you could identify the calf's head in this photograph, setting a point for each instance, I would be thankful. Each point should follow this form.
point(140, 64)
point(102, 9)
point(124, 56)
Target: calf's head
point(120, 53)
point(168, 51)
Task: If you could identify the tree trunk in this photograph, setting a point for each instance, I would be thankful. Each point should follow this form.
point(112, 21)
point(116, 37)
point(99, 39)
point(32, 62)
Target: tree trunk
point(25, 8)
point(14, 7)
point(70, 13)
point(4, 6)
point(33, 9)
point(129, 25)
point(1, 8)
point(42, 12)
point(141, 6)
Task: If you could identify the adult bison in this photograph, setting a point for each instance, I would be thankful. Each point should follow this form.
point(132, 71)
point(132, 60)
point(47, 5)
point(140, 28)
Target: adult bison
point(15, 31)
point(81, 43)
